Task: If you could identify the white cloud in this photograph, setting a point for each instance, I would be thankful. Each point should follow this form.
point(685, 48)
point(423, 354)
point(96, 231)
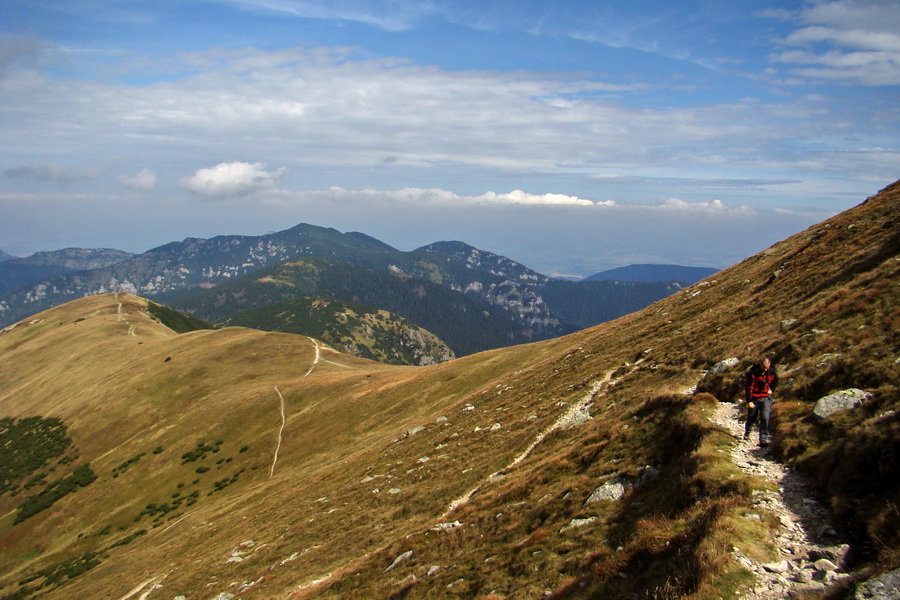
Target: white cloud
point(713, 206)
point(444, 198)
point(232, 179)
point(520, 197)
point(145, 180)
point(846, 41)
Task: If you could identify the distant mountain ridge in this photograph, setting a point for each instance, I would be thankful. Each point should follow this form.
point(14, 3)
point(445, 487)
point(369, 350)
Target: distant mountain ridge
point(179, 267)
point(654, 272)
point(19, 272)
point(5, 256)
point(464, 322)
point(514, 303)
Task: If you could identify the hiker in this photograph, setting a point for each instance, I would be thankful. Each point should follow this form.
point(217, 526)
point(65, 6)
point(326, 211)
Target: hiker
point(761, 383)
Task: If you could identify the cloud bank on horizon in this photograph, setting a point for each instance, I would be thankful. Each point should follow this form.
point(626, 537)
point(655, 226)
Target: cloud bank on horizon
point(571, 136)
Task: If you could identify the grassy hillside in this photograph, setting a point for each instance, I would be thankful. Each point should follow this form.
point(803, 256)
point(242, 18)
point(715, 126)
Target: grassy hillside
point(350, 327)
point(266, 465)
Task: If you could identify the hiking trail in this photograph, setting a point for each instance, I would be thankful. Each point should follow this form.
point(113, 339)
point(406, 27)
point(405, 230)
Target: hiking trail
point(316, 360)
point(810, 553)
point(280, 432)
point(120, 314)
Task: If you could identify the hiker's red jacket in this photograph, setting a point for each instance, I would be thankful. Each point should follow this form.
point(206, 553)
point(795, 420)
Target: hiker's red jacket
point(761, 382)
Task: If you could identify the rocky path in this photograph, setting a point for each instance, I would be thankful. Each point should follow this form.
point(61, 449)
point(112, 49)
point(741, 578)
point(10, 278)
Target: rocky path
point(810, 553)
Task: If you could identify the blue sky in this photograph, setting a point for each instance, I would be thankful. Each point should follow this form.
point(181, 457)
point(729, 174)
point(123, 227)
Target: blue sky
point(570, 136)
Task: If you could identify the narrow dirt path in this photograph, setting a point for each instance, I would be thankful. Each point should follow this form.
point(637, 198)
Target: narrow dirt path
point(810, 553)
point(317, 359)
point(281, 398)
point(120, 314)
point(280, 432)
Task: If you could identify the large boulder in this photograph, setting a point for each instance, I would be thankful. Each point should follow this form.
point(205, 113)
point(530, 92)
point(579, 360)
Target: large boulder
point(724, 365)
point(883, 587)
point(614, 489)
point(843, 400)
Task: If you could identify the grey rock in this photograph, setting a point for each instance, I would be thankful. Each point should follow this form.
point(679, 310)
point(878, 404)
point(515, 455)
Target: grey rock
point(803, 576)
point(840, 554)
point(223, 596)
point(777, 567)
point(809, 588)
point(823, 564)
point(724, 365)
point(613, 489)
point(405, 556)
point(574, 523)
point(883, 587)
point(842, 400)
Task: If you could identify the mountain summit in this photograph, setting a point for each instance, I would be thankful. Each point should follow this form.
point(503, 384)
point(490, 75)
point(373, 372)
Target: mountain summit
point(234, 463)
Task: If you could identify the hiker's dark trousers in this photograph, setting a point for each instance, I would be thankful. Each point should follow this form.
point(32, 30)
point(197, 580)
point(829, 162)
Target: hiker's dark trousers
point(762, 410)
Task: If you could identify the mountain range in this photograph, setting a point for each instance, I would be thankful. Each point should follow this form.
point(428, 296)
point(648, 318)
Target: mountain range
point(471, 299)
point(139, 462)
point(20, 272)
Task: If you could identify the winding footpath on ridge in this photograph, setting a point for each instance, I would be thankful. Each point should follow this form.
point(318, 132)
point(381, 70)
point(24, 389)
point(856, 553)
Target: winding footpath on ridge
point(281, 399)
point(810, 554)
point(280, 432)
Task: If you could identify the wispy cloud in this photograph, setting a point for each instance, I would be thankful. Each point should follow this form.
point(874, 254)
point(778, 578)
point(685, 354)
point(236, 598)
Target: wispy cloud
point(323, 107)
point(712, 206)
point(391, 15)
point(845, 41)
point(145, 180)
point(52, 172)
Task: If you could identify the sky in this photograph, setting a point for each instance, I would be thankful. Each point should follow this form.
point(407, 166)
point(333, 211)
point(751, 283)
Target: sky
point(572, 136)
